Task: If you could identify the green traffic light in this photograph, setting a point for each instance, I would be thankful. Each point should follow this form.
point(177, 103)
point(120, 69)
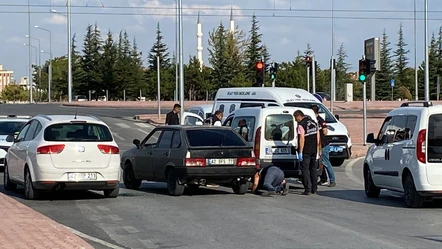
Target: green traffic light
point(362, 77)
point(272, 76)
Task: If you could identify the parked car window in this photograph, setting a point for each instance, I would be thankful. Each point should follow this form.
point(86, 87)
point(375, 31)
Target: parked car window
point(194, 111)
point(213, 138)
point(165, 140)
point(152, 138)
point(176, 140)
point(244, 126)
point(279, 127)
point(86, 132)
point(410, 126)
point(435, 138)
point(10, 127)
point(191, 120)
point(271, 104)
point(228, 121)
point(23, 132)
point(30, 134)
point(201, 114)
point(398, 125)
point(37, 130)
point(329, 118)
point(383, 129)
point(245, 105)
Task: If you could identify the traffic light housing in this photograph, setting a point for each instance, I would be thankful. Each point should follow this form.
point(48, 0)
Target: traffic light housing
point(363, 70)
point(260, 71)
point(308, 61)
point(273, 70)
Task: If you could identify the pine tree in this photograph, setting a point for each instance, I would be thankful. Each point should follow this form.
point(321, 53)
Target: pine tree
point(235, 57)
point(159, 49)
point(77, 68)
point(91, 61)
point(385, 74)
point(401, 63)
point(266, 55)
point(217, 57)
point(108, 65)
point(309, 51)
point(341, 72)
point(254, 49)
point(433, 66)
point(123, 68)
point(439, 53)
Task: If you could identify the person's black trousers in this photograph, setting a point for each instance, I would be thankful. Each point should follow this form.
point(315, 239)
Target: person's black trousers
point(309, 172)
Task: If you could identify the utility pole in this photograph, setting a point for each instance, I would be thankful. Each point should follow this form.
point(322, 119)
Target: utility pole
point(31, 99)
point(158, 87)
point(427, 71)
point(313, 75)
point(180, 41)
point(69, 52)
point(176, 51)
point(308, 79)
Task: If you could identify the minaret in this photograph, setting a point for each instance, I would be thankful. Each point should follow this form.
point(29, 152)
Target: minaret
point(232, 22)
point(199, 46)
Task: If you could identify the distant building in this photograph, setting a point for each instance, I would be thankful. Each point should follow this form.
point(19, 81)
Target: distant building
point(5, 78)
point(24, 82)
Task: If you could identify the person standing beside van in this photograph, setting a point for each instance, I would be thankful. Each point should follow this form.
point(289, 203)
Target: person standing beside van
point(172, 117)
point(309, 141)
point(325, 152)
point(215, 120)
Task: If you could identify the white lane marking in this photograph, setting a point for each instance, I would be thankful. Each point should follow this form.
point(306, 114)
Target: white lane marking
point(96, 240)
point(130, 229)
point(145, 132)
point(349, 171)
point(119, 137)
point(142, 125)
point(115, 217)
point(122, 125)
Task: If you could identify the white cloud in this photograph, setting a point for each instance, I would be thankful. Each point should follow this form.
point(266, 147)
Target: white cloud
point(56, 19)
point(284, 41)
point(158, 10)
point(16, 39)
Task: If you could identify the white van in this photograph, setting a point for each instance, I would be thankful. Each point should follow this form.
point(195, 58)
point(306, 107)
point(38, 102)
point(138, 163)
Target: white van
point(271, 133)
point(229, 100)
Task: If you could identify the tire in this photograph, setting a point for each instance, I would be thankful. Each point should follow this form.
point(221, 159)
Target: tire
point(7, 184)
point(336, 162)
point(30, 192)
point(240, 188)
point(129, 179)
point(173, 185)
point(112, 193)
point(412, 198)
point(371, 191)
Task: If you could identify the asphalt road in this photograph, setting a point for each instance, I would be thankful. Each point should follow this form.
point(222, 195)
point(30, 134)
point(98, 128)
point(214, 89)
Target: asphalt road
point(340, 217)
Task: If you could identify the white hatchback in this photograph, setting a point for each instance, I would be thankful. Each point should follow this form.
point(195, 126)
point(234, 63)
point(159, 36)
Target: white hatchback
point(63, 152)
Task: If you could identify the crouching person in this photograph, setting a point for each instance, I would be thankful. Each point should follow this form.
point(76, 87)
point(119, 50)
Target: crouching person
point(270, 181)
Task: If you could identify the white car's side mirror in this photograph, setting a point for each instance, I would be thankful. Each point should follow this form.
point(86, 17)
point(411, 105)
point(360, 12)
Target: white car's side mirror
point(198, 123)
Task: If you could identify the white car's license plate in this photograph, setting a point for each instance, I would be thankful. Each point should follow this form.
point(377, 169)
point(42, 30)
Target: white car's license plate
point(281, 151)
point(222, 161)
point(82, 176)
point(336, 149)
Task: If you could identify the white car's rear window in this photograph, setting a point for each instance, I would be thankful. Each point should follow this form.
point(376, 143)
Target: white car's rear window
point(78, 132)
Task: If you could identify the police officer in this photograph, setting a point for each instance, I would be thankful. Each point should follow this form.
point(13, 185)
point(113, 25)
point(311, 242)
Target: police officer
point(309, 140)
point(215, 119)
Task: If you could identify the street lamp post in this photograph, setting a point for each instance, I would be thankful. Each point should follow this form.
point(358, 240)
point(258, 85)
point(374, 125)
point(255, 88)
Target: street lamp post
point(69, 52)
point(30, 70)
point(427, 71)
point(180, 49)
point(31, 99)
point(416, 86)
point(39, 59)
point(50, 62)
point(332, 64)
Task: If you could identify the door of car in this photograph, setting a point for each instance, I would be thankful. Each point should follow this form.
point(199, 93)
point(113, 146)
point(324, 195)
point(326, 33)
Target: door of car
point(17, 152)
point(379, 153)
point(191, 119)
point(161, 154)
point(23, 150)
point(143, 158)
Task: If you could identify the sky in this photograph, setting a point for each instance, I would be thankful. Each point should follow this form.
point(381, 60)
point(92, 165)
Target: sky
point(287, 25)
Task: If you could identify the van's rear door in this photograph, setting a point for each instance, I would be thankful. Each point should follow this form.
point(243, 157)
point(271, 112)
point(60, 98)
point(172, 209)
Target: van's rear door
point(279, 138)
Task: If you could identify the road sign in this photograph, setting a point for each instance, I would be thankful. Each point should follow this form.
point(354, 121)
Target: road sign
point(392, 83)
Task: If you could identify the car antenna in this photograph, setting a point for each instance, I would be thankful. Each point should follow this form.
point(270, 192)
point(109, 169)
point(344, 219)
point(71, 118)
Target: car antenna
point(76, 110)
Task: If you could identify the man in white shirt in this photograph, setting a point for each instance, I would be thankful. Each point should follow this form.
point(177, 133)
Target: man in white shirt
point(215, 120)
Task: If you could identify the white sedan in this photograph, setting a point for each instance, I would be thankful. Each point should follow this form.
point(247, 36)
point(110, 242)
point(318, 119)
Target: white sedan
point(57, 152)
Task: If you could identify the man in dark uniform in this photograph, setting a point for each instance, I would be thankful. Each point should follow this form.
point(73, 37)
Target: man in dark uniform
point(308, 143)
point(325, 151)
point(271, 180)
point(172, 117)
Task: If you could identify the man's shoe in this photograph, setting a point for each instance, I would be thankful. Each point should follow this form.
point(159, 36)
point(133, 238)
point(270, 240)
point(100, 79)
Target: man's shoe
point(268, 193)
point(314, 192)
point(323, 183)
point(306, 193)
point(332, 184)
point(285, 191)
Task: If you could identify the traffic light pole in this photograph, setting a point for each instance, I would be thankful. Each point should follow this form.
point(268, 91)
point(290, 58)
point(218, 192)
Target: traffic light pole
point(364, 108)
point(308, 79)
point(313, 75)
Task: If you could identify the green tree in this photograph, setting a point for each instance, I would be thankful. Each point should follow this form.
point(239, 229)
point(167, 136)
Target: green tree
point(108, 65)
point(401, 64)
point(385, 74)
point(309, 51)
point(159, 49)
point(196, 80)
point(92, 48)
point(123, 68)
point(14, 93)
point(254, 50)
point(217, 57)
point(342, 76)
point(266, 55)
point(235, 57)
point(78, 74)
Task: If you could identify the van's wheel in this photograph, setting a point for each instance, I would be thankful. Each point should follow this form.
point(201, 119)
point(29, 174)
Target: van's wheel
point(7, 184)
point(336, 162)
point(371, 191)
point(30, 192)
point(412, 198)
point(112, 193)
point(240, 188)
point(129, 179)
point(173, 185)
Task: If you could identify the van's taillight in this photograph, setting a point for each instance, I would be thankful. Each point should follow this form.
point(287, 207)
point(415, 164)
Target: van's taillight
point(421, 146)
point(196, 162)
point(51, 149)
point(246, 161)
point(256, 147)
point(108, 149)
